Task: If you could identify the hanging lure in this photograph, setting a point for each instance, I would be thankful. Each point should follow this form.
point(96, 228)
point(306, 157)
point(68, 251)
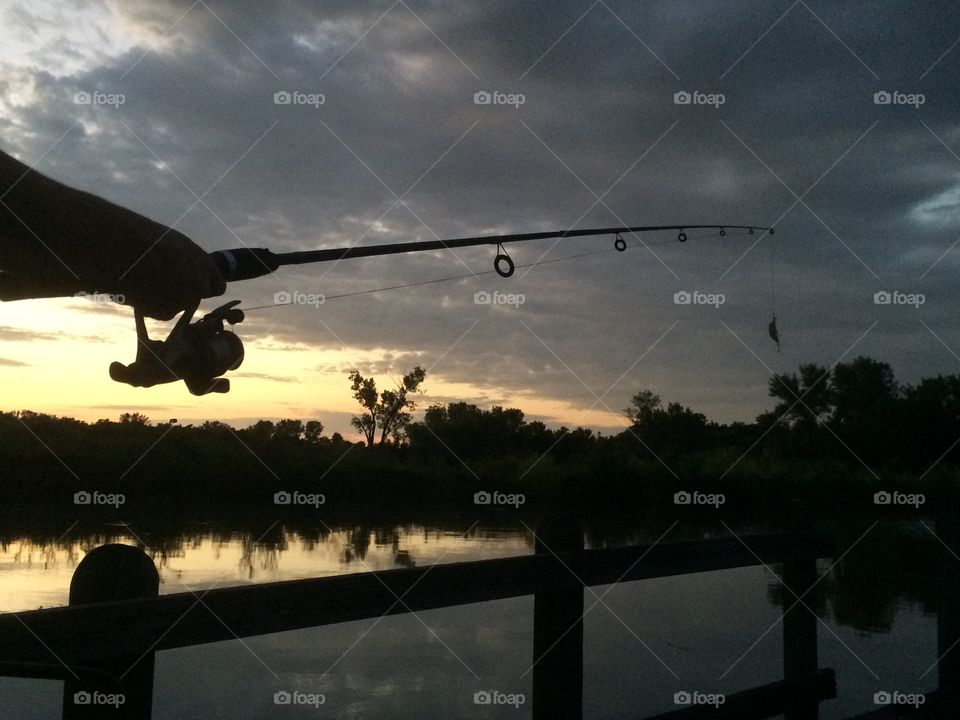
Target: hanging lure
point(772, 327)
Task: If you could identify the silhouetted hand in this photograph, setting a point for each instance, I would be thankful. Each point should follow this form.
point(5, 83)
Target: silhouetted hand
point(56, 241)
point(172, 275)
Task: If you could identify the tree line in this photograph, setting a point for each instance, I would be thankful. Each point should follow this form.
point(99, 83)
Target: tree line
point(846, 424)
point(854, 412)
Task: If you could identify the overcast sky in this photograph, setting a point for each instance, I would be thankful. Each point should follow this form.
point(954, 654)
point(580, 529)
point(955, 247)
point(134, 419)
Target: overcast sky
point(785, 128)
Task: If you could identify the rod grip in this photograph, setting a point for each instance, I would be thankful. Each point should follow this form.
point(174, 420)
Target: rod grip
point(244, 263)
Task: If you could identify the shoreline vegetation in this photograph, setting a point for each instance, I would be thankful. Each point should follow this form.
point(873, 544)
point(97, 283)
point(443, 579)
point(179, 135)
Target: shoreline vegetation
point(836, 437)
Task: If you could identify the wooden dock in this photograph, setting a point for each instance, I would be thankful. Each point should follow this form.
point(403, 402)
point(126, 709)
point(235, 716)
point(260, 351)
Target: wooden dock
point(116, 618)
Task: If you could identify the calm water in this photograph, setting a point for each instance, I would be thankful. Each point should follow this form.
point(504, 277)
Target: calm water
point(712, 632)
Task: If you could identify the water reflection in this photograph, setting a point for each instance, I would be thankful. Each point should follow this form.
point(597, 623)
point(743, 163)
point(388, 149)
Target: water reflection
point(894, 566)
point(878, 603)
point(36, 572)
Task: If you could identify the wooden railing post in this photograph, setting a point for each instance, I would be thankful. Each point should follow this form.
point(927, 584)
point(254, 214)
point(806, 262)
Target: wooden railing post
point(948, 606)
point(800, 624)
point(799, 632)
point(558, 633)
point(113, 572)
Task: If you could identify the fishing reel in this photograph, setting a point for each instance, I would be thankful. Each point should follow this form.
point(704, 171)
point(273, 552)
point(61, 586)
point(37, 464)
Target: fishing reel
point(197, 353)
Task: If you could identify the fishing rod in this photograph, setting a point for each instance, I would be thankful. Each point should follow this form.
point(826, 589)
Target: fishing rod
point(249, 263)
point(200, 352)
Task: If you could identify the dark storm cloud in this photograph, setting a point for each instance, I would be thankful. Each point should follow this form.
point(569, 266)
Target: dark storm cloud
point(880, 184)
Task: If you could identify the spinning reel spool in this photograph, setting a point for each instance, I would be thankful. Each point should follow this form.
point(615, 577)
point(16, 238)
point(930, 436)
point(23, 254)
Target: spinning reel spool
point(197, 353)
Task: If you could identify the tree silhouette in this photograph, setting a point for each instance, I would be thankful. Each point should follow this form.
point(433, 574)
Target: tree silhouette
point(288, 430)
point(312, 431)
point(672, 430)
point(387, 410)
point(643, 405)
point(804, 401)
point(866, 413)
point(468, 431)
point(260, 432)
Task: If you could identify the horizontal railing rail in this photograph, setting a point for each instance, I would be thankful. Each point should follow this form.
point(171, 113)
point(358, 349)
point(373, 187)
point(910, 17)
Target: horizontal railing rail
point(79, 633)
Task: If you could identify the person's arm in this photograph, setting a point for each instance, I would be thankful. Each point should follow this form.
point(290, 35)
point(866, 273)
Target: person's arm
point(57, 241)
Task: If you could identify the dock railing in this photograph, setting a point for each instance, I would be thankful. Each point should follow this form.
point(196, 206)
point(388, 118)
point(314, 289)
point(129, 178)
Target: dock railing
point(105, 640)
